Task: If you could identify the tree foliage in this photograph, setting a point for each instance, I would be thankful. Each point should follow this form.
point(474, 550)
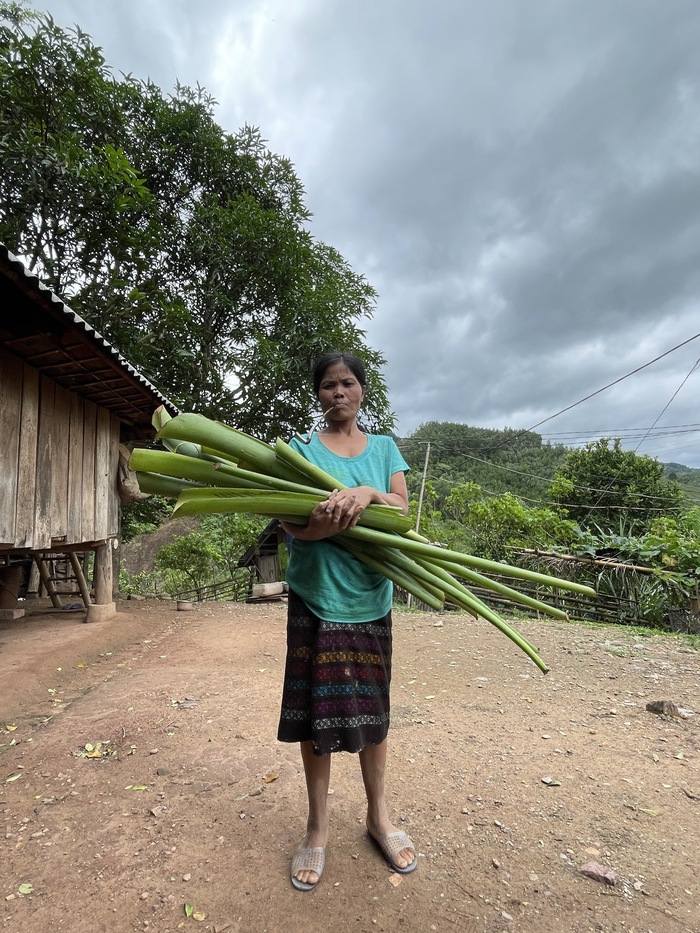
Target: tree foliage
point(510, 461)
point(495, 524)
point(192, 558)
point(601, 485)
point(186, 246)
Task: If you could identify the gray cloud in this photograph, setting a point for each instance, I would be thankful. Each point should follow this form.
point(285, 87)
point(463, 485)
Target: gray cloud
point(519, 182)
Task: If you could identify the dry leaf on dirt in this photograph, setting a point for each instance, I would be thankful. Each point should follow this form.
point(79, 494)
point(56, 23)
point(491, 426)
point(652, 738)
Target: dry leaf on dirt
point(270, 777)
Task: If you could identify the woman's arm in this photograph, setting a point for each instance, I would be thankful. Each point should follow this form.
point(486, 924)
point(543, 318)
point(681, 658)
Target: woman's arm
point(343, 508)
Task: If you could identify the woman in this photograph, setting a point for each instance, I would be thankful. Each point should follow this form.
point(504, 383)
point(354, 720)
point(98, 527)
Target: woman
point(338, 670)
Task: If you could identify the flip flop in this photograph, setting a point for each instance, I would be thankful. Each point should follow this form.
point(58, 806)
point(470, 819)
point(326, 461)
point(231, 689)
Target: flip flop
point(308, 860)
point(391, 844)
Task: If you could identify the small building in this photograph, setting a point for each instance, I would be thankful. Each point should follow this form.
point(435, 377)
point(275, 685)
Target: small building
point(262, 559)
point(68, 400)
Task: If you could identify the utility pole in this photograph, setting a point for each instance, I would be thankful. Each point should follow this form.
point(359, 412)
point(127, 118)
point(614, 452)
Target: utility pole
point(422, 486)
point(409, 600)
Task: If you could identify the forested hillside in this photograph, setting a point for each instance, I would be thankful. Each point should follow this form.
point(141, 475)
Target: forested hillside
point(687, 478)
point(509, 460)
point(499, 461)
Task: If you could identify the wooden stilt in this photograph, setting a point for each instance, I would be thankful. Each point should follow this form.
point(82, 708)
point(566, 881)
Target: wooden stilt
point(80, 577)
point(46, 580)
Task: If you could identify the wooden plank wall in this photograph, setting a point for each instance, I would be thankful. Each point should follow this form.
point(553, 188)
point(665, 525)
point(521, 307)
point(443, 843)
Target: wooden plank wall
point(58, 463)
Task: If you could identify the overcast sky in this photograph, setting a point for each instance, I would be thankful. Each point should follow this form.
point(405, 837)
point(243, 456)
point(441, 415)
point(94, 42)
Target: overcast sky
point(519, 180)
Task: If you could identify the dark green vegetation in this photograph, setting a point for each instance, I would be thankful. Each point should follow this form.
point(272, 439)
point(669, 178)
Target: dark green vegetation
point(499, 494)
point(186, 246)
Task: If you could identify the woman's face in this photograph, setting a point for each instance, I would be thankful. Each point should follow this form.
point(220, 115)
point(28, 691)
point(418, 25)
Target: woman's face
point(341, 392)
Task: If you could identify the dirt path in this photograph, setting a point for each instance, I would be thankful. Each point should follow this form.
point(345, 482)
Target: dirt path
point(201, 806)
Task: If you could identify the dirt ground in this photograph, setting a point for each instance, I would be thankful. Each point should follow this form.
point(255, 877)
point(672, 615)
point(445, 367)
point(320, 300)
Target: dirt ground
point(508, 781)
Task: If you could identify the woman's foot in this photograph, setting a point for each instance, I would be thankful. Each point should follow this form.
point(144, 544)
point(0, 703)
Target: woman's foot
point(388, 838)
point(309, 859)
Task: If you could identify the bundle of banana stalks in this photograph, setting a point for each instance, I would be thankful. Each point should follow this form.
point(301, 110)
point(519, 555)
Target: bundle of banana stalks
point(210, 467)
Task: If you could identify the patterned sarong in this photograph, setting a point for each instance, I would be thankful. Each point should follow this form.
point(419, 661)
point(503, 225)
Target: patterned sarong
point(336, 681)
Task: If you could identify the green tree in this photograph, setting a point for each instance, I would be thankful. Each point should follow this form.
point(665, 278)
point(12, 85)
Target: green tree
point(493, 525)
point(192, 558)
point(602, 483)
point(185, 245)
point(231, 536)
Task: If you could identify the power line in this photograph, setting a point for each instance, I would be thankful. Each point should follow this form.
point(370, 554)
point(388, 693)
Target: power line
point(598, 391)
point(654, 423)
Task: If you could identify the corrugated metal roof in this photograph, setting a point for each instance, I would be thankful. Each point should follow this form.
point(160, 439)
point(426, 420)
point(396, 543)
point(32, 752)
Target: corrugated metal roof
point(46, 333)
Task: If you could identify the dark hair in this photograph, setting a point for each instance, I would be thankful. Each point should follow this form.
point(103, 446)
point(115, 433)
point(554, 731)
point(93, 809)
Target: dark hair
point(353, 363)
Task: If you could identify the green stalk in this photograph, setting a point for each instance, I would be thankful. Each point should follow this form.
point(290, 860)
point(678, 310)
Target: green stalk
point(266, 502)
point(172, 464)
point(212, 473)
point(397, 576)
point(155, 484)
point(459, 591)
point(487, 583)
point(187, 449)
point(429, 551)
point(462, 597)
point(231, 443)
point(293, 458)
point(393, 558)
point(270, 482)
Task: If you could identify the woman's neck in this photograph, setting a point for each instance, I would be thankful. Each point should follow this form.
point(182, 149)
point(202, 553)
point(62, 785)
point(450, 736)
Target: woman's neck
point(342, 429)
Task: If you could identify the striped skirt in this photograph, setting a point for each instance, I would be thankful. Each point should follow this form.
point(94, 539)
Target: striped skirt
point(336, 681)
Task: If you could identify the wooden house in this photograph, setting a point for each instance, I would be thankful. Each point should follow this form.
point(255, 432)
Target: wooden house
point(263, 559)
point(67, 401)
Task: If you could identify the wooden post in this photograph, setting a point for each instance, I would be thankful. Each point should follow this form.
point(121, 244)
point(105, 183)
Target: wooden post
point(103, 607)
point(102, 574)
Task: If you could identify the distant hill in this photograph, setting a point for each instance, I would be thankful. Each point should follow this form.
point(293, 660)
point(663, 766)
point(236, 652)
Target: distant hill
point(688, 479)
point(499, 461)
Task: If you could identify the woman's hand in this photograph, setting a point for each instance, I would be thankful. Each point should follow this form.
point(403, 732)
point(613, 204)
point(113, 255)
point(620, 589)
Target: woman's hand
point(340, 511)
point(345, 506)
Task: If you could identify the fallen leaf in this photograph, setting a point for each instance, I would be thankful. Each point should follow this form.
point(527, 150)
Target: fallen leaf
point(551, 782)
point(650, 812)
point(430, 696)
point(12, 777)
point(198, 915)
point(189, 910)
point(270, 777)
point(10, 728)
point(394, 880)
point(25, 888)
point(261, 670)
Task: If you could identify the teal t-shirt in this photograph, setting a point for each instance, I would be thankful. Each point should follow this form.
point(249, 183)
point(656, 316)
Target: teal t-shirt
point(335, 585)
